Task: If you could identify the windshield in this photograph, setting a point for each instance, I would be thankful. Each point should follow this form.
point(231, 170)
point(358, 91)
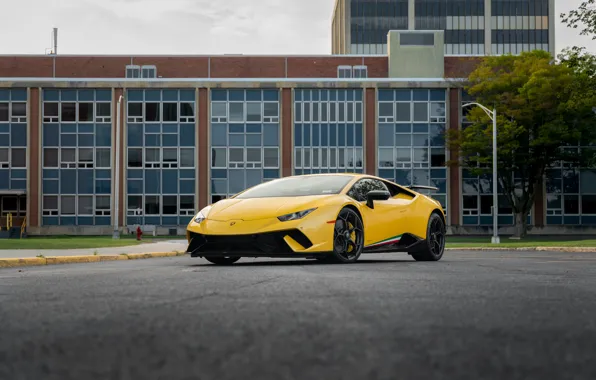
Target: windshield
point(298, 186)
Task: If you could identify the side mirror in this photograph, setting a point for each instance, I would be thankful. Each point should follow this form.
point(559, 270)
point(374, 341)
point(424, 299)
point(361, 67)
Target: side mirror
point(376, 195)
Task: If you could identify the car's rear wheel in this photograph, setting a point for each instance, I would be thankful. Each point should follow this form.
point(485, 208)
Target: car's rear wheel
point(348, 236)
point(222, 260)
point(434, 246)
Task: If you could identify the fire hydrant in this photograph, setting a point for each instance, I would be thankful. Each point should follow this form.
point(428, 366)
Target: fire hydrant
point(139, 233)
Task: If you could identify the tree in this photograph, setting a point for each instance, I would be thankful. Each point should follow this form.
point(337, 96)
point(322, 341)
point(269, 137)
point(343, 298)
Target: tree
point(584, 16)
point(541, 108)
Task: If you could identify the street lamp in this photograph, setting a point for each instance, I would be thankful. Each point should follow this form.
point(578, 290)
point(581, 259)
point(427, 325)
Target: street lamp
point(493, 115)
point(116, 233)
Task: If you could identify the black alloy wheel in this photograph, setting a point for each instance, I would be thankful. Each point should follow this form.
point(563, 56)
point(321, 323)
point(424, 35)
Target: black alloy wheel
point(348, 236)
point(434, 246)
point(222, 260)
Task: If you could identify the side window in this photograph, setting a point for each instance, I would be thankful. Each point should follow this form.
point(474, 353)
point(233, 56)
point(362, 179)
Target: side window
point(362, 188)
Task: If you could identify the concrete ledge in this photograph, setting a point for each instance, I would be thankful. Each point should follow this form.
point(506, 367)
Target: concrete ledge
point(55, 260)
point(541, 249)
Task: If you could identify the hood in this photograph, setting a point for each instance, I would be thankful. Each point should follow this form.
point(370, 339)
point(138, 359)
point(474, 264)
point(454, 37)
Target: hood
point(261, 208)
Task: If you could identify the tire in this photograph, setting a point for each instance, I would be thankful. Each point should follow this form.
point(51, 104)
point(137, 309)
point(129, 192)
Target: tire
point(348, 237)
point(217, 260)
point(434, 246)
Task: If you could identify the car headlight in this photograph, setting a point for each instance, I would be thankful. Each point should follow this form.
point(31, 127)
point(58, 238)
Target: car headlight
point(202, 215)
point(295, 215)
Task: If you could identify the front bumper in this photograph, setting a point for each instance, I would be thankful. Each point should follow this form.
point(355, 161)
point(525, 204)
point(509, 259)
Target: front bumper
point(267, 244)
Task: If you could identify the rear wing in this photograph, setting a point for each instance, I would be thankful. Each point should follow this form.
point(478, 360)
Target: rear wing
point(421, 187)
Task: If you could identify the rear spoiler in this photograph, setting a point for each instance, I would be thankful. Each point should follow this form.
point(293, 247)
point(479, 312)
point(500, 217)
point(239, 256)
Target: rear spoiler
point(421, 187)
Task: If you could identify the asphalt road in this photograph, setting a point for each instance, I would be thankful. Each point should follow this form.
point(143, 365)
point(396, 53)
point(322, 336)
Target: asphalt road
point(473, 315)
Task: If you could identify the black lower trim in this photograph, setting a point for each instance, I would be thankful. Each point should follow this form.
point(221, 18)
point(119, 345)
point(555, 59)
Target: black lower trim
point(270, 244)
point(408, 243)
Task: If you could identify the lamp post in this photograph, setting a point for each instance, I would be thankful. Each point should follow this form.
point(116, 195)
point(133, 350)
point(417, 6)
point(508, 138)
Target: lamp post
point(493, 115)
point(116, 233)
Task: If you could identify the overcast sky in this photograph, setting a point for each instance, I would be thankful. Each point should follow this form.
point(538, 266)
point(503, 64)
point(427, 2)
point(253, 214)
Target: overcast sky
point(186, 26)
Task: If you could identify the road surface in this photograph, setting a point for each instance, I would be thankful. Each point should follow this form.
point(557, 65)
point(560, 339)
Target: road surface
point(473, 315)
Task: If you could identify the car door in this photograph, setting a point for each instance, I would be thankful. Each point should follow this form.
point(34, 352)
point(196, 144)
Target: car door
point(387, 220)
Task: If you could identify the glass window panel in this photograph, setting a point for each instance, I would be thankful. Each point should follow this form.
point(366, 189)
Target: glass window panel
point(170, 112)
point(170, 155)
point(218, 157)
point(421, 112)
point(50, 157)
point(570, 181)
point(306, 111)
point(50, 202)
point(324, 158)
point(102, 157)
point(187, 202)
point(271, 157)
point(4, 154)
point(571, 204)
point(152, 155)
point(19, 109)
point(253, 155)
point(470, 202)
point(170, 205)
point(135, 109)
point(271, 109)
point(332, 157)
point(67, 204)
point(386, 157)
point(85, 205)
point(588, 204)
point(437, 158)
point(324, 111)
point(403, 154)
point(135, 202)
point(437, 109)
point(486, 204)
point(236, 111)
point(85, 154)
point(102, 202)
point(219, 109)
point(236, 154)
point(402, 112)
point(103, 109)
point(69, 112)
point(187, 157)
point(151, 204)
point(68, 155)
point(254, 111)
point(553, 202)
point(4, 111)
point(588, 181)
point(188, 109)
point(152, 112)
point(333, 112)
point(49, 109)
point(341, 112)
point(135, 157)
point(86, 112)
point(18, 158)
point(298, 157)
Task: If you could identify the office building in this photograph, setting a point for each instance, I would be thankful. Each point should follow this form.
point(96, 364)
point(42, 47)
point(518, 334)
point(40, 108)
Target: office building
point(472, 27)
point(196, 129)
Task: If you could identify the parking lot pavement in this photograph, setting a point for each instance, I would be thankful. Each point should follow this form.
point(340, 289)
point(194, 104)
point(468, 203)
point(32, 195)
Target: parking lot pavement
point(473, 315)
point(162, 246)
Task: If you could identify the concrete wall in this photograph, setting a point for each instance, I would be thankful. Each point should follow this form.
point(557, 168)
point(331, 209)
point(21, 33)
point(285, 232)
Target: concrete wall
point(416, 61)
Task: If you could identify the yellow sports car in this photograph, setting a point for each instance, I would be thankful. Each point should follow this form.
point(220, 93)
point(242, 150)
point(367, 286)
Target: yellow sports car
point(328, 217)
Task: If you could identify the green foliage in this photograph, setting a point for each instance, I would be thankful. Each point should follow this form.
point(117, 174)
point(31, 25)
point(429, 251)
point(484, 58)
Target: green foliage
point(584, 16)
point(541, 106)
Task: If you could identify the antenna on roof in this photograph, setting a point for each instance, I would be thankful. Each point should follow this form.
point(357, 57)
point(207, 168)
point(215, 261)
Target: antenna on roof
point(55, 52)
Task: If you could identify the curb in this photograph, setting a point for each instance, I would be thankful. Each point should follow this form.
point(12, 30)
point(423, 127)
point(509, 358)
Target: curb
point(540, 249)
point(55, 260)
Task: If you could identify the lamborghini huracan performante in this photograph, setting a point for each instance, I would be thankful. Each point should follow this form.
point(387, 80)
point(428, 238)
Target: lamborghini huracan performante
point(328, 217)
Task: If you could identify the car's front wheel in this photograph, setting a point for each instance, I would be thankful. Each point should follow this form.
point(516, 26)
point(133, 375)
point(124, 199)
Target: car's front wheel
point(434, 246)
point(348, 236)
point(222, 260)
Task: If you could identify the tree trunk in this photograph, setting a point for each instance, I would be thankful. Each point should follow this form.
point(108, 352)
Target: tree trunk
point(521, 225)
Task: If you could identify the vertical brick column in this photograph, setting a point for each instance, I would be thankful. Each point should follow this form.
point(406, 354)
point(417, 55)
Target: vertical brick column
point(203, 148)
point(454, 180)
point(34, 137)
point(122, 178)
point(370, 131)
point(286, 132)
